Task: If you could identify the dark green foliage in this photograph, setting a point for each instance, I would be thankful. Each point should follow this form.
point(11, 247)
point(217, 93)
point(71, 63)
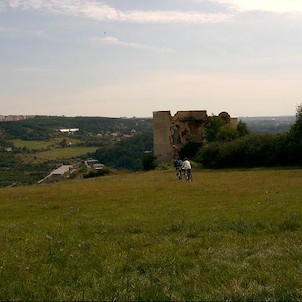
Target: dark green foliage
point(226, 133)
point(294, 145)
point(256, 150)
point(25, 174)
point(96, 173)
point(213, 127)
point(189, 150)
point(126, 154)
point(242, 128)
point(46, 127)
point(25, 130)
point(148, 162)
point(219, 130)
point(248, 151)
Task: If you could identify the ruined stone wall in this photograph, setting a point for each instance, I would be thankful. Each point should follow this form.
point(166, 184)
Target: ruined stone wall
point(161, 131)
point(171, 134)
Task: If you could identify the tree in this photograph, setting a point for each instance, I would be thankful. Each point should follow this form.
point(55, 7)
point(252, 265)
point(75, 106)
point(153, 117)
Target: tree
point(148, 162)
point(294, 145)
point(242, 128)
point(226, 133)
point(213, 127)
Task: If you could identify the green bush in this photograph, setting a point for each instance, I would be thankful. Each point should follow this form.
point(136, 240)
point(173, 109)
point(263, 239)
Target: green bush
point(148, 162)
point(253, 150)
point(248, 151)
point(126, 154)
point(294, 144)
point(226, 133)
point(96, 173)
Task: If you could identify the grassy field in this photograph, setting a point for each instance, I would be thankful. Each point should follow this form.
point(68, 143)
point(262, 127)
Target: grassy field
point(51, 154)
point(33, 145)
point(64, 152)
point(38, 145)
point(55, 154)
point(228, 235)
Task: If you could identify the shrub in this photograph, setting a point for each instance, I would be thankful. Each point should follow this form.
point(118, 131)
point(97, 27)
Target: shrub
point(189, 150)
point(242, 128)
point(294, 145)
point(226, 132)
point(248, 151)
point(148, 162)
point(213, 127)
point(96, 173)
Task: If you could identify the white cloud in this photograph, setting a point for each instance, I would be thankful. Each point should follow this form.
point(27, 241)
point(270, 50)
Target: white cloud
point(104, 12)
point(279, 6)
point(109, 40)
point(173, 17)
point(15, 31)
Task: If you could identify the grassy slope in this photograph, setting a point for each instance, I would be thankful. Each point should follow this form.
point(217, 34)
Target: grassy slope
point(227, 235)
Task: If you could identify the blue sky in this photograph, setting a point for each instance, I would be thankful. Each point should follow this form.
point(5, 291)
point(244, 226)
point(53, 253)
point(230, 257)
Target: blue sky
point(131, 57)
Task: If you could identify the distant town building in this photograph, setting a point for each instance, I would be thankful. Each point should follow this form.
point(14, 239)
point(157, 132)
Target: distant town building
point(94, 163)
point(98, 166)
point(13, 118)
point(59, 172)
point(71, 130)
point(91, 162)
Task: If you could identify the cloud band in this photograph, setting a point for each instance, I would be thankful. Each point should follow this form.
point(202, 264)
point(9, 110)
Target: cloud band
point(103, 12)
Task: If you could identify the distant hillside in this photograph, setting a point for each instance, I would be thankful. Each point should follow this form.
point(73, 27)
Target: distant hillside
point(45, 127)
point(31, 148)
point(269, 124)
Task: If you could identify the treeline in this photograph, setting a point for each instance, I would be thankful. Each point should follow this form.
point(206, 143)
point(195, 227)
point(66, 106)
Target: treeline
point(45, 127)
point(253, 150)
point(127, 154)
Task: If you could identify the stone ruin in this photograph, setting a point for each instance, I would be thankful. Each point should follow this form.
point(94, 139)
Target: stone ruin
point(172, 133)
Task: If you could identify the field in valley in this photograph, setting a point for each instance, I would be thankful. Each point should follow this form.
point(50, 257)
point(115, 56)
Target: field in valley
point(227, 235)
point(48, 150)
point(62, 153)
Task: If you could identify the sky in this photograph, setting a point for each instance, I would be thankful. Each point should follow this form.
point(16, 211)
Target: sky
point(125, 58)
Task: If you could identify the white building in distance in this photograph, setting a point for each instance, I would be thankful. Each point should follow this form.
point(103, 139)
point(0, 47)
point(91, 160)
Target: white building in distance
point(71, 130)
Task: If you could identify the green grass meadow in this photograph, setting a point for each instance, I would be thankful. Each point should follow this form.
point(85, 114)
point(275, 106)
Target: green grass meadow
point(64, 153)
point(33, 145)
point(46, 151)
point(230, 235)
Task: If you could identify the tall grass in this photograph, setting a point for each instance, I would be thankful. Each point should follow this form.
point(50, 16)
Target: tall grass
point(228, 235)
